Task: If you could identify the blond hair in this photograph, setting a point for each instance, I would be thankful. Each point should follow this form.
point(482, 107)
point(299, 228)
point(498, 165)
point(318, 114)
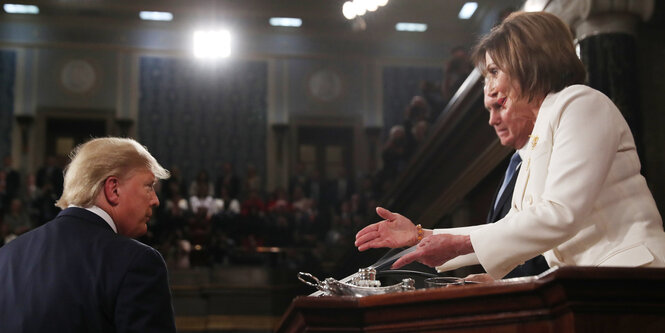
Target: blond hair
point(534, 48)
point(96, 160)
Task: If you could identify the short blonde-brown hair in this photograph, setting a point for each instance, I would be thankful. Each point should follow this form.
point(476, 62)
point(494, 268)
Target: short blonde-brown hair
point(534, 48)
point(96, 160)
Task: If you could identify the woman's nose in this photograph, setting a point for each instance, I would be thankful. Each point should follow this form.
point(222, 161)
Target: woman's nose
point(489, 89)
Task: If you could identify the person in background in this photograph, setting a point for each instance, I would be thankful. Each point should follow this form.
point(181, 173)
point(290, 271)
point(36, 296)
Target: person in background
point(17, 218)
point(579, 197)
point(202, 179)
point(228, 179)
point(11, 182)
point(457, 70)
point(83, 272)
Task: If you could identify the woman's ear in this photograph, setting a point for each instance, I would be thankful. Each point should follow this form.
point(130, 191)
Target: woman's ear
point(111, 185)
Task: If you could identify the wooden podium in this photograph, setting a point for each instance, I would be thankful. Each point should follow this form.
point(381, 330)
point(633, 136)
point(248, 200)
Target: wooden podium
point(567, 299)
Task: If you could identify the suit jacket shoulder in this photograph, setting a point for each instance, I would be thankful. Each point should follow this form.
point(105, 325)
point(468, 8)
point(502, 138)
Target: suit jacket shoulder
point(76, 267)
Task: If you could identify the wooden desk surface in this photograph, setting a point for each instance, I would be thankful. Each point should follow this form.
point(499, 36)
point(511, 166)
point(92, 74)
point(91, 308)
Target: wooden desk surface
point(568, 299)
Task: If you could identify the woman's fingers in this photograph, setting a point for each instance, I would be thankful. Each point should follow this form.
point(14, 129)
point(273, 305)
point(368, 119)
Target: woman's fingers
point(365, 230)
point(373, 244)
point(386, 214)
point(406, 259)
point(366, 237)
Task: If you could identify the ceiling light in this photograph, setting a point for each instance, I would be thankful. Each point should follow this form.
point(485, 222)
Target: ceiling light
point(156, 16)
point(407, 26)
point(212, 44)
point(381, 3)
point(467, 10)
point(534, 5)
point(285, 22)
point(359, 7)
point(349, 10)
point(20, 9)
point(370, 5)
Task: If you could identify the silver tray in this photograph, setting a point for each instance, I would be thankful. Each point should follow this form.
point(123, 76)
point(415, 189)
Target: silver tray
point(360, 284)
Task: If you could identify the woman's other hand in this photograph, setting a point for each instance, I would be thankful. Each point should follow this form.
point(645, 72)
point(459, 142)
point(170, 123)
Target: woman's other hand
point(435, 250)
point(483, 278)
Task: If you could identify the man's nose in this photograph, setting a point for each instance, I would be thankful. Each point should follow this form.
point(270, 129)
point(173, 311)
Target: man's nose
point(155, 200)
point(495, 118)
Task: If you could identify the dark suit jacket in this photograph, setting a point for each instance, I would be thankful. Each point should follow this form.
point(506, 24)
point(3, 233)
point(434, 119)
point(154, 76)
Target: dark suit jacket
point(532, 266)
point(74, 274)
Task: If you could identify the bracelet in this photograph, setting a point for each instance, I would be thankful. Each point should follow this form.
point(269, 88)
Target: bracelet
point(419, 228)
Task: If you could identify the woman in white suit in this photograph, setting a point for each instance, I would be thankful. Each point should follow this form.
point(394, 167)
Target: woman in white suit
point(579, 198)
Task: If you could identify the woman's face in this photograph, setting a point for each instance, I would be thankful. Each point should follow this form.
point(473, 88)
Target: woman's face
point(510, 115)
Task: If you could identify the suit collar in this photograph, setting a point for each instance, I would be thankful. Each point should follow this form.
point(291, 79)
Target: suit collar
point(85, 214)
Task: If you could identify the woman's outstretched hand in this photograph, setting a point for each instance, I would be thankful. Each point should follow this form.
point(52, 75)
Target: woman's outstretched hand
point(395, 231)
point(435, 250)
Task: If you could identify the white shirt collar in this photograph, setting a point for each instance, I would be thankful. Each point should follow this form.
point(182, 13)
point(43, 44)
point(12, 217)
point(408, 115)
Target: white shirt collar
point(101, 213)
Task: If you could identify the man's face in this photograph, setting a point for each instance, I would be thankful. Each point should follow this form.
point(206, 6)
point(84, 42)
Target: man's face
point(137, 197)
point(510, 115)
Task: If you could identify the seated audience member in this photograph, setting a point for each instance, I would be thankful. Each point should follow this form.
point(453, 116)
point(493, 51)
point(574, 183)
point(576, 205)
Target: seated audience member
point(279, 203)
point(174, 183)
point(458, 69)
point(419, 133)
point(299, 178)
point(231, 205)
point(228, 179)
point(432, 93)
point(17, 218)
point(253, 180)
point(202, 179)
point(175, 215)
point(203, 204)
point(339, 189)
point(11, 182)
point(393, 154)
point(417, 111)
point(50, 175)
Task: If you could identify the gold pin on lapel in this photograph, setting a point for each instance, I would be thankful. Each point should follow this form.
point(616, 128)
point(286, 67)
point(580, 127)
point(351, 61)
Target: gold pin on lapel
point(534, 141)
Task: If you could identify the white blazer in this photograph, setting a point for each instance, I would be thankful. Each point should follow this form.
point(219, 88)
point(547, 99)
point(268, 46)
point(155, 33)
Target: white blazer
point(579, 197)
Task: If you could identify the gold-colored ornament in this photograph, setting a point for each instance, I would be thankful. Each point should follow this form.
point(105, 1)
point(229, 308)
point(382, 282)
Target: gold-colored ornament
point(534, 142)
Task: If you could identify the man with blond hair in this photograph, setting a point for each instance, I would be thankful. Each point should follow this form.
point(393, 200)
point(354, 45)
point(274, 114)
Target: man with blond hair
point(82, 271)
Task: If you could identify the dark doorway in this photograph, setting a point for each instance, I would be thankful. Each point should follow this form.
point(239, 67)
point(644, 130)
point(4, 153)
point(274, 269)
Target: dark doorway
point(63, 134)
point(326, 150)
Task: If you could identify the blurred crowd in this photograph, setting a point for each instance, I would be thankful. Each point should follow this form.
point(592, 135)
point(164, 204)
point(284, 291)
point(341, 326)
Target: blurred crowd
point(223, 219)
point(228, 218)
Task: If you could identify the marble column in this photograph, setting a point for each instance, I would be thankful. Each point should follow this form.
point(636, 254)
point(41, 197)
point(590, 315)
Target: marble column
point(605, 31)
point(611, 65)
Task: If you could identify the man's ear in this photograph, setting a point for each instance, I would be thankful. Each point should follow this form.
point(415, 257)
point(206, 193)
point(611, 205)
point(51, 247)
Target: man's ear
point(111, 185)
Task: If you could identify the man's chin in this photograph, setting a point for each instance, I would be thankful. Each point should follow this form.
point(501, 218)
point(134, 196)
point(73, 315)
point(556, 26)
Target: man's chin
point(506, 142)
point(138, 232)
